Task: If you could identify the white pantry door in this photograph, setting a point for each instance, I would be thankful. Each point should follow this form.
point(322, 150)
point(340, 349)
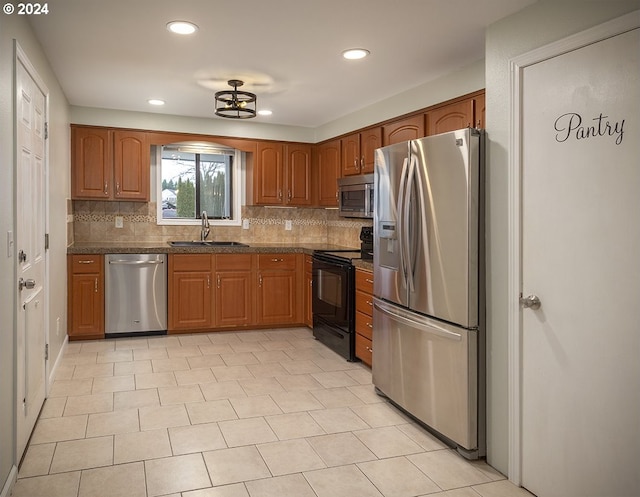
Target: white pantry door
point(30, 244)
point(581, 257)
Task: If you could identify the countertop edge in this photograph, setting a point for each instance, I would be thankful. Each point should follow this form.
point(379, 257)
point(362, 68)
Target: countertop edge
point(164, 248)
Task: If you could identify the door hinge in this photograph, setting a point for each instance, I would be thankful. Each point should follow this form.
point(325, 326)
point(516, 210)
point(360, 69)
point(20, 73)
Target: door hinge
point(46, 131)
point(46, 351)
point(46, 241)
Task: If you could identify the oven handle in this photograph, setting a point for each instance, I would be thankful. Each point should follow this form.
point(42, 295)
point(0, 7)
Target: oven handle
point(331, 262)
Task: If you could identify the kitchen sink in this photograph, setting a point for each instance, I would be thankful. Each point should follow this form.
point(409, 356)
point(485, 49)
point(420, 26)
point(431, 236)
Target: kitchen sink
point(206, 243)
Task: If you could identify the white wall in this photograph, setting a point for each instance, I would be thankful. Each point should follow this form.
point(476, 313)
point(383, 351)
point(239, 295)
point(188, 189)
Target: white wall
point(466, 80)
point(7, 404)
point(540, 24)
point(165, 122)
point(17, 28)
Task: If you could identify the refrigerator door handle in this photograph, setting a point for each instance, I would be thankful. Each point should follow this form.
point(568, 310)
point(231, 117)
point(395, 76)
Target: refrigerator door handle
point(398, 315)
point(422, 235)
point(409, 236)
point(402, 193)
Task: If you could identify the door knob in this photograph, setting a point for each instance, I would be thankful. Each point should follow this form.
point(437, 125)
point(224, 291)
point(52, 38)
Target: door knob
point(530, 302)
point(29, 284)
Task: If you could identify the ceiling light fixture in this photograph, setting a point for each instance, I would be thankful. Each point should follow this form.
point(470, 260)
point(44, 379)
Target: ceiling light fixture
point(235, 104)
point(182, 27)
point(155, 101)
point(355, 53)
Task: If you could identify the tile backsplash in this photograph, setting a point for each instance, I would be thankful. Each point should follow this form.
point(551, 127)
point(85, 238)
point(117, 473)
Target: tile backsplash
point(94, 221)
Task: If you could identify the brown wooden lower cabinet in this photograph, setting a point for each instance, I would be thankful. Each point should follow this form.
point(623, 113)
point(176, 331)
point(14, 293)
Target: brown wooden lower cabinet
point(364, 316)
point(226, 291)
point(308, 291)
point(235, 299)
point(190, 293)
point(278, 289)
point(85, 296)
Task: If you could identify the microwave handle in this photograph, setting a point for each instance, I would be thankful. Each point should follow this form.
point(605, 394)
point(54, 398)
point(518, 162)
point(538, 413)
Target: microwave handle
point(368, 208)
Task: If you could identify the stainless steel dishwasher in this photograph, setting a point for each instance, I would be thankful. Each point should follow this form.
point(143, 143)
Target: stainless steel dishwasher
point(135, 294)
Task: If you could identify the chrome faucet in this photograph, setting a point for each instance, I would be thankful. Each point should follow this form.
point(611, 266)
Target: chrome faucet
point(205, 229)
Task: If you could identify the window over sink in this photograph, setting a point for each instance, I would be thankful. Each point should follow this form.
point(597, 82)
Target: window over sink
point(194, 177)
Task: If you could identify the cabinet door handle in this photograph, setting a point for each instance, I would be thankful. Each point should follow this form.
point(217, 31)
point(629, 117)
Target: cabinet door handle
point(279, 194)
point(117, 188)
point(208, 282)
point(95, 285)
point(368, 280)
point(369, 302)
point(260, 280)
point(362, 162)
point(85, 262)
point(289, 195)
point(218, 281)
point(106, 188)
point(277, 260)
point(370, 325)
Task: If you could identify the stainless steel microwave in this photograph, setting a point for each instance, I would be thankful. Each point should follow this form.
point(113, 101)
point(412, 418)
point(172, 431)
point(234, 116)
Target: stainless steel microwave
point(355, 196)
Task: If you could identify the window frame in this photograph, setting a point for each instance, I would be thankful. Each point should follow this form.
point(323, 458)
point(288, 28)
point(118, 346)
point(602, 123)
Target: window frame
point(237, 188)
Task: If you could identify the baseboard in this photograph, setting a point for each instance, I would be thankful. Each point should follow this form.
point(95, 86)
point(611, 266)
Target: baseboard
point(54, 368)
point(11, 480)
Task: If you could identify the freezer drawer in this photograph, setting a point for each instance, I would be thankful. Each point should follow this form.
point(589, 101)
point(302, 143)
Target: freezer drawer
point(429, 369)
point(135, 293)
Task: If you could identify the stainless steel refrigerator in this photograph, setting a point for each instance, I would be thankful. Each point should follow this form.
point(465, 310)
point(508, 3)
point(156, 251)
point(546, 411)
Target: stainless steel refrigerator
point(428, 337)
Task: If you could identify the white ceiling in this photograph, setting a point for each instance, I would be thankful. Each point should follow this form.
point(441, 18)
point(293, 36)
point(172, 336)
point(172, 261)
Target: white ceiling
point(117, 54)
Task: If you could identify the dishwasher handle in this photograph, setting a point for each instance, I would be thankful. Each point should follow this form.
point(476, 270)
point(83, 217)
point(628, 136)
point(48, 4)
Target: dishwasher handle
point(134, 263)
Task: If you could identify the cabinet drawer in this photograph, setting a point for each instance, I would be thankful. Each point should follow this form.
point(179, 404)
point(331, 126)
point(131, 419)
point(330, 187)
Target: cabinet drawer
point(234, 262)
point(277, 261)
point(364, 350)
point(91, 263)
point(364, 281)
point(191, 262)
point(364, 325)
point(364, 303)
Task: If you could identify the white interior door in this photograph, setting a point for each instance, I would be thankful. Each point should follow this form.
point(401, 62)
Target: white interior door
point(581, 257)
point(30, 244)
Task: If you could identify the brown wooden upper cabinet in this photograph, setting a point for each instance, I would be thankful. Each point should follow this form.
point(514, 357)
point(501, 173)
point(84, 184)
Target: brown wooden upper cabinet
point(109, 164)
point(402, 130)
point(479, 111)
point(358, 151)
point(282, 174)
point(457, 115)
point(298, 174)
point(328, 172)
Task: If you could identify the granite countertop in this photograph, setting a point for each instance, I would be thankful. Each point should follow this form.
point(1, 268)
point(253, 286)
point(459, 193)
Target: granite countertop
point(165, 248)
point(363, 264)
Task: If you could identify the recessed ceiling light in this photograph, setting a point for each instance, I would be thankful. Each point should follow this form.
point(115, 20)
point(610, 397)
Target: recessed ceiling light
point(265, 112)
point(355, 53)
point(182, 27)
point(155, 101)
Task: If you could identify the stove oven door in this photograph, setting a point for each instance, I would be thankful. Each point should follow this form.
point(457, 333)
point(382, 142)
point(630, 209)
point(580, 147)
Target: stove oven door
point(333, 301)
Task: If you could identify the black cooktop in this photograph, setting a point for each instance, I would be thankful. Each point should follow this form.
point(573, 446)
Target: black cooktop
point(339, 255)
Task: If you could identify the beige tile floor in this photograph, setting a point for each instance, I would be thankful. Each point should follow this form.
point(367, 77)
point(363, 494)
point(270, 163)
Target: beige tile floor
point(249, 414)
